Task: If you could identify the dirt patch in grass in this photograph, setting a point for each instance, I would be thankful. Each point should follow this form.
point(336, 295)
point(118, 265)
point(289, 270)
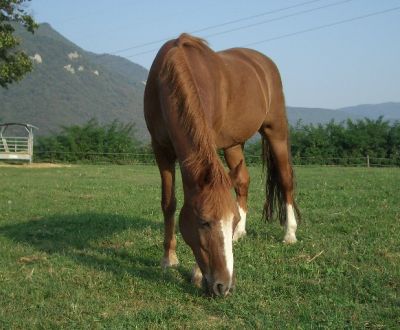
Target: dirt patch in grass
point(35, 165)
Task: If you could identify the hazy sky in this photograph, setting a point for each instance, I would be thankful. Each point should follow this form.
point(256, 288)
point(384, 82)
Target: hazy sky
point(347, 64)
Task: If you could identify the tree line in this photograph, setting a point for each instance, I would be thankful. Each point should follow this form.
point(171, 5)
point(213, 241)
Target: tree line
point(350, 142)
point(346, 143)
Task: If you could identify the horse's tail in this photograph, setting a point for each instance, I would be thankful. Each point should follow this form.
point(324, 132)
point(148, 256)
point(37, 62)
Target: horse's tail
point(275, 199)
point(273, 193)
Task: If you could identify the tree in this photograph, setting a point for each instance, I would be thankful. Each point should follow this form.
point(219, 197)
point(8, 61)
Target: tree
point(14, 63)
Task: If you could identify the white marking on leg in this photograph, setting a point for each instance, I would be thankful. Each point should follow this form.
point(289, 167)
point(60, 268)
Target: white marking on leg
point(170, 261)
point(226, 230)
point(241, 226)
point(291, 226)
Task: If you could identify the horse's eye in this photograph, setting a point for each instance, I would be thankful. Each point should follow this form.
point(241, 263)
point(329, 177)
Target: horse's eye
point(205, 224)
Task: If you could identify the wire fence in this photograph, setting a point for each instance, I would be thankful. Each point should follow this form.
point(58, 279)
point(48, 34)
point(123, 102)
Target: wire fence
point(95, 157)
point(251, 160)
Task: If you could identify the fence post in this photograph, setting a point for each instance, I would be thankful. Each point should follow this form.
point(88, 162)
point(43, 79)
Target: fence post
point(367, 160)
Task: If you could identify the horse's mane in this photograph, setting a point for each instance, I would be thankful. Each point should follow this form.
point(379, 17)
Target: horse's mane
point(177, 73)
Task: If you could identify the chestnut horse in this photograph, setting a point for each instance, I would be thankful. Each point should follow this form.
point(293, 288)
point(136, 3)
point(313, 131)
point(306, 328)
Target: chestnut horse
point(197, 101)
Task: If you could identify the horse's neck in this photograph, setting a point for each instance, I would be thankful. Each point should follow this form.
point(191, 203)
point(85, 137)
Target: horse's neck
point(197, 173)
point(193, 157)
point(194, 166)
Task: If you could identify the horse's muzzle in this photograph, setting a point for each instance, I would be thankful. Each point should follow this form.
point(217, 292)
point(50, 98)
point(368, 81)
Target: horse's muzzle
point(219, 288)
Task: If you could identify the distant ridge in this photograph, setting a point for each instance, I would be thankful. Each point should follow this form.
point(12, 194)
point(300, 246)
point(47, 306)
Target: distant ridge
point(389, 110)
point(317, 115)
point(70, 86)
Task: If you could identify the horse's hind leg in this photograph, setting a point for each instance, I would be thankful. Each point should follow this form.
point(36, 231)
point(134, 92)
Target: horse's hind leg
point(276, 135)
point(241, 180)
point(166, 164)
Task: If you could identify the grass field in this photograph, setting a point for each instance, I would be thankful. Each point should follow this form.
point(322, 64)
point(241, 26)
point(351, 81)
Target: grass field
point(80, 248)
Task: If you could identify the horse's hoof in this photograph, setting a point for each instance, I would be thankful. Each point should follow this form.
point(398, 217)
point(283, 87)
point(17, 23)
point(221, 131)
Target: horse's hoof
point(238, 234)
point(171, 261)
point(290, 239)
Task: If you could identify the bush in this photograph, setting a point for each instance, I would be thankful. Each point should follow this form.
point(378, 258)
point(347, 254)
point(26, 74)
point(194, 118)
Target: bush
point(91, 142)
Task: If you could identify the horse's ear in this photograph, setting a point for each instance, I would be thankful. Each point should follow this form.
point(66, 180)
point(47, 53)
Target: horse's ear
point(235, 172)
point(205, 177)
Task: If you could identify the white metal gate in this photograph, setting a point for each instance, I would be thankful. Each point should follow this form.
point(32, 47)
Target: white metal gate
point(16, 147)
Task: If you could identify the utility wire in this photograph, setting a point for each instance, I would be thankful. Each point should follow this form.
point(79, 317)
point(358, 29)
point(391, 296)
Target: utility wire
point(297, 32)
point(218, 25)
point(323, 26)
point(247, 26)
point(254, 16)
point(277, 18)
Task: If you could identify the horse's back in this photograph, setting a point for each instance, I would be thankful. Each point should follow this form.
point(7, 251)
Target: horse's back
point(253, 82)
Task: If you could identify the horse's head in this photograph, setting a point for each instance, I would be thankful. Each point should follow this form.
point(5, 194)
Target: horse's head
point(207, 222)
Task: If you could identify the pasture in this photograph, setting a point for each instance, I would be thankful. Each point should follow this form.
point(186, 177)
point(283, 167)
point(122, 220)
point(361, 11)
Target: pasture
point(80, 247)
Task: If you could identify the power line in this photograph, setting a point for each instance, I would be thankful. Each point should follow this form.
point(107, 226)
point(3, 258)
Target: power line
point(297, 32)
point(219, 25)
point(144, 52)
point(247, 26)
point(323, 26)
point(277, 18)
point(255, 16)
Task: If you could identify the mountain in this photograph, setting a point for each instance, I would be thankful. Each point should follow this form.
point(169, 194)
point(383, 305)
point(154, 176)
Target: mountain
point(389, 110)
point(317, 115)
point(69, 85)
point(129, 71)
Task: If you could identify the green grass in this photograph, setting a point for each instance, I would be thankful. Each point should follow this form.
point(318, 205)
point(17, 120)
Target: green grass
point(80, 247)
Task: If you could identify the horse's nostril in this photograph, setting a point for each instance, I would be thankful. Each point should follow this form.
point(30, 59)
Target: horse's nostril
point(220, 289)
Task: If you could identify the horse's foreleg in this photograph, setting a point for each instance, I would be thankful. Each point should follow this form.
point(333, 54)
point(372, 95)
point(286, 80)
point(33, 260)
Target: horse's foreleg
point(197, 276)
point(166, 165)
point(240, 178)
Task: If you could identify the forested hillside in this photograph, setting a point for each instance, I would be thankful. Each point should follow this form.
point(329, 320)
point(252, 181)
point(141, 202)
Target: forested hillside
point(70, 86)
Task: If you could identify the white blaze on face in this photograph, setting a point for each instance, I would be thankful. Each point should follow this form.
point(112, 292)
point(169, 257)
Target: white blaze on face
point(226, 229)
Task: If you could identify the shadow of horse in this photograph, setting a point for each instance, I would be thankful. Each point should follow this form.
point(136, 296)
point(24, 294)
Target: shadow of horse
point(87, 239)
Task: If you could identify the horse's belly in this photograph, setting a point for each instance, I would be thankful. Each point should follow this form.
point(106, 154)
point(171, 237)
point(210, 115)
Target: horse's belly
point(238, 131)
